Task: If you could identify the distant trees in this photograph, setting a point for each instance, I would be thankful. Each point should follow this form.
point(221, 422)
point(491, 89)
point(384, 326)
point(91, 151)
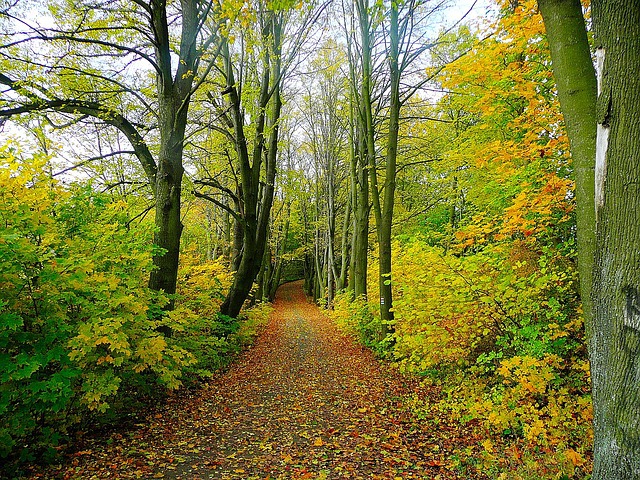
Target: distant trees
point(139, 67)
point(324, 113)
point(253, 70)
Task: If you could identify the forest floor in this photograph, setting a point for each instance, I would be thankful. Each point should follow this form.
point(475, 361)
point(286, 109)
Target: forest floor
point(303, 402)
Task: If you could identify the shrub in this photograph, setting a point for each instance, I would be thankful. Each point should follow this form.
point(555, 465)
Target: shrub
point(74, 310)
point(212, 338)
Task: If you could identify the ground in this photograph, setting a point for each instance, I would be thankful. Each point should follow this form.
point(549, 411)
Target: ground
point(304, 402)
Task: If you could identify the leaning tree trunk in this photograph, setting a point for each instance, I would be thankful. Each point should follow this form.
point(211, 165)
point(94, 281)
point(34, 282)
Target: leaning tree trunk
point(615, 344)
point(257, 198)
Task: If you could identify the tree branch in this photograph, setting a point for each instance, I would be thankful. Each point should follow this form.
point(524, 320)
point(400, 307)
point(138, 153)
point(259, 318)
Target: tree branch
point(93, 109)
point(217, 202)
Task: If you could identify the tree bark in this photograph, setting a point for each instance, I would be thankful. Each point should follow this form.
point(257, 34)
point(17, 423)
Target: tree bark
point(576, 83)
point(173, 101)
point(344, 247)
point(257, 199)
point(274, 281)
point(386, 218)
point(615, 344)
point(361, 225)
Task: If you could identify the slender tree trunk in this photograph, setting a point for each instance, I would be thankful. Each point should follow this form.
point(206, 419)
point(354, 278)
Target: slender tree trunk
point(330, 272)
point(453, 204)
point(361, 231)
point(319, 280)
point(353, 190)
point(274, 282)
point(209, 234)
point(368, 151)
point(386, 219)
point(331, 228)
point(576, 83)
point(227, 236)
point(358, 151)
point(344, 250)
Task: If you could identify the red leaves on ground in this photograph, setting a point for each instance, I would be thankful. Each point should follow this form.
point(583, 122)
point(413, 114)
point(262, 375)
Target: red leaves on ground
point(304, 402)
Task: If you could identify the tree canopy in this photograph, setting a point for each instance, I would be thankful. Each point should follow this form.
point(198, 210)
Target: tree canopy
point(443, 179)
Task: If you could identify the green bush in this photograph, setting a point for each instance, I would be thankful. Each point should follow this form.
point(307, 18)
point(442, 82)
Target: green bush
point(74, 309)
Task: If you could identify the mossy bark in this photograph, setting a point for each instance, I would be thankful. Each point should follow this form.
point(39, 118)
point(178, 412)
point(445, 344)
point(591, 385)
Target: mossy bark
point(576, 83)
point(615, 344)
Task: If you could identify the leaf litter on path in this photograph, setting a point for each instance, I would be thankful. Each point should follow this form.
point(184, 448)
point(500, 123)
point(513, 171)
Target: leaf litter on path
point(303, 402)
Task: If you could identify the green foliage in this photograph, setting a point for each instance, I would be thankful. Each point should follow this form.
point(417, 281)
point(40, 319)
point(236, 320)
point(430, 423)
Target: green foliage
point(357, 317)
point(74, 308)
point(212, 338)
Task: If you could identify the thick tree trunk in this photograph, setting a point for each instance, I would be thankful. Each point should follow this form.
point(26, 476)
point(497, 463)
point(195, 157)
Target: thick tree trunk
point(174, 94)
point(248, 267)
point(169, 229)
point(615, 344)
point(168, 193)
point(576, 83)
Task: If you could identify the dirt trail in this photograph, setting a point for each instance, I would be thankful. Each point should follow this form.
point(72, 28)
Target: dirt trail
point(304, 402)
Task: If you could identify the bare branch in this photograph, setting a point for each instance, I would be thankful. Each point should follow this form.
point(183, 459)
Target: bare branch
point(217, 202)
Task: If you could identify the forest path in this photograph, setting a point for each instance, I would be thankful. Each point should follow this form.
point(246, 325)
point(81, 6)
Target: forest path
point(303, 402)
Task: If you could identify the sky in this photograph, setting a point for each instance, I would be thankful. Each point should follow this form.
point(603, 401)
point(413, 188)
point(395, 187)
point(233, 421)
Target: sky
point(480, 9)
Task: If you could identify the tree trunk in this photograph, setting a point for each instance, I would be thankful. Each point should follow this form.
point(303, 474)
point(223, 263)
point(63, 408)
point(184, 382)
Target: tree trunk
point(361, 228)
point(227, 236)
point(173, 102)
point(344, 250)
point(368, 151)
point(169, 228)
point(257, 198)
point(576, 83)
point(331, 227)
point(615, 344)
point(274, 281)
point(353, 190)
point(386, 219)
